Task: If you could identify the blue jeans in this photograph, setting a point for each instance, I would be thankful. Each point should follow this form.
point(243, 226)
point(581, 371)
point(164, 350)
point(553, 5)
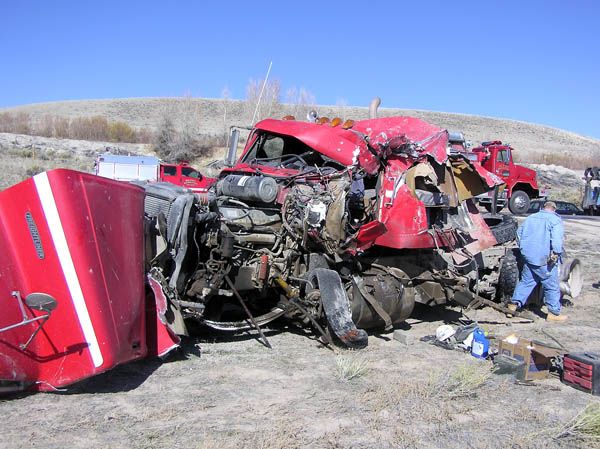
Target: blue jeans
point(531, 276)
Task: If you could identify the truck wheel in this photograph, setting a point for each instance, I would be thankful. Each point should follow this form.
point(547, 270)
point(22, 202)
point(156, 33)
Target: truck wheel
point(509, 275)
point(571, 278)
point(519, 202)
point(503, 227)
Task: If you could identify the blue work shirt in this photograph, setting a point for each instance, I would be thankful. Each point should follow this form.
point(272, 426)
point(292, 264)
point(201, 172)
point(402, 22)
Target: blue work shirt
point(540, 234)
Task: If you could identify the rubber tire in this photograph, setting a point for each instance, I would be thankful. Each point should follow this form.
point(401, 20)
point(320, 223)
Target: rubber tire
point(509, 275)
point(572, 274)
point(488, 207)
point(514, 198)
point(503, 227)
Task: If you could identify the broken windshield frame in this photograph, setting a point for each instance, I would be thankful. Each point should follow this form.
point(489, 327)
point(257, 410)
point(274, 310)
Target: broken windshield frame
point(276, 150)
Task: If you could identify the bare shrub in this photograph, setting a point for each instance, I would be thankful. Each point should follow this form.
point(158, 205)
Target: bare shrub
point(16, 123)
point(121, 132)
point(22, 123)
point(61, 127)
point(5, 122)
point(260, 107)
point(291, 95)
point(143, 135)
point(186, 148)
point(46, 126)
point(52, 126)
point(164, 142)
point(94, 128)
point(34, 170)
point(306, 98)
point(89, 128)
point(211, 141)
point(181, 140)
point(22, 152)
point(171, 144)
point(302, 100)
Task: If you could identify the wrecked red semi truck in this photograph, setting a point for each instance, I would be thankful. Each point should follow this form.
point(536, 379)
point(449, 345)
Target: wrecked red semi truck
point(343, 226)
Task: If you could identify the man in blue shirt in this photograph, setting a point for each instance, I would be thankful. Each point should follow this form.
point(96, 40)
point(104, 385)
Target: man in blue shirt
point(541, 243)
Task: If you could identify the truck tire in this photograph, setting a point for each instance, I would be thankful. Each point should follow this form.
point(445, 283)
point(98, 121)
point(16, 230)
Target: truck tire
point(519, 202)
point(571, 278)
point(508, 276)
point(503, 227)
point(592, 174)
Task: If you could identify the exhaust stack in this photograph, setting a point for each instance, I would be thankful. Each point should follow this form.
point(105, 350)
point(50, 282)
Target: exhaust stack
point(234, 138)
point(375, 102)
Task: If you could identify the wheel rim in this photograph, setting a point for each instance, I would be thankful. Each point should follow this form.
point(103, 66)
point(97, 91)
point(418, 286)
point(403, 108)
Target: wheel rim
point(520, 202)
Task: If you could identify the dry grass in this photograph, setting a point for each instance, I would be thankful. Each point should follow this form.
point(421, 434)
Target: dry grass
point(432, 399)
point(564, 159)
point(281, 434)
point(351, 366)
point(21, 163)
point(214, 117)
point(425, 410)
point(463, 381)
point(585, 426)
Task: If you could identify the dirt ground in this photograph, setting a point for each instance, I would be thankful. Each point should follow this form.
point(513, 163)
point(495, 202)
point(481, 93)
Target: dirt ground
point(231, 392)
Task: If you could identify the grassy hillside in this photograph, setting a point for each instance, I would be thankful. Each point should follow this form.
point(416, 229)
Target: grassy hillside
point(209, 116)
point(25, 155)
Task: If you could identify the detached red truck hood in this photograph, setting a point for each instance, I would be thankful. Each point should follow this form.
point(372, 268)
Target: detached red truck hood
point(79, 239)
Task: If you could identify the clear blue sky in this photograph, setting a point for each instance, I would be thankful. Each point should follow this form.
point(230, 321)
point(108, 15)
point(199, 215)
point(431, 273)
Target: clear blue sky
point(537, 61)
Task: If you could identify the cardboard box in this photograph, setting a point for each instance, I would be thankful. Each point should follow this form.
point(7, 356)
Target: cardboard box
point(535, 356)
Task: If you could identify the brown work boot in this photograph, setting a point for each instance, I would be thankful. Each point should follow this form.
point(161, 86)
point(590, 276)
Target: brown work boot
point(513, 308)
point(556, 318)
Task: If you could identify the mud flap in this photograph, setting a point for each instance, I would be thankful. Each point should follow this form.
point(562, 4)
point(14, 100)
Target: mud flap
point(161, 336)
point(337, 308)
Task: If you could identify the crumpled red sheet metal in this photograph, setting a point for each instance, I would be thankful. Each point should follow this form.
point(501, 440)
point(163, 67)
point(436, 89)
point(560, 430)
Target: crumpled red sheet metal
point(369, 141)
point(349, 146)
point(490, 178)
point(384, 132)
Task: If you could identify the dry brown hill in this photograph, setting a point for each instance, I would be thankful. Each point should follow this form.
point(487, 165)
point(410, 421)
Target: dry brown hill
point(212, 116)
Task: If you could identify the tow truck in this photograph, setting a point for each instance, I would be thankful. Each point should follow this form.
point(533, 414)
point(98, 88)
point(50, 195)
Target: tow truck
point(497, 157)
